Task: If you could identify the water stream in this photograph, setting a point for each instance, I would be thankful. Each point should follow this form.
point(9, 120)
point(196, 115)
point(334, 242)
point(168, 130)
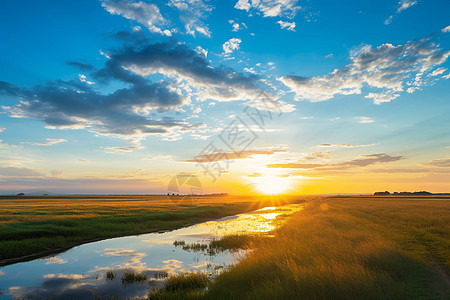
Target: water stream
point(100, 268)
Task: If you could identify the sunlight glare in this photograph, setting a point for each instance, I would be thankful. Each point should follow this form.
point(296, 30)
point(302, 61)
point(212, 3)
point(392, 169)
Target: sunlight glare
point(272, 185)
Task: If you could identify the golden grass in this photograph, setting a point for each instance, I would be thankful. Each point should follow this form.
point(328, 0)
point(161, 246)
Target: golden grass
point(37, 208)
point(40, 224)
point(346, 248)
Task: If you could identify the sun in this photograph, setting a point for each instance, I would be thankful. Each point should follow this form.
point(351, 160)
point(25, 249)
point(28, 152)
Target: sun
point(272, 185)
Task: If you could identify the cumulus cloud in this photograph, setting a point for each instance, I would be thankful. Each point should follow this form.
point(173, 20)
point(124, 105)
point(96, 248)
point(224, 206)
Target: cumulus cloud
point(388, 70)
point(147, 14)
point(49, 142)
point(192, 13)
point(201, 51)
point(270, 8)
point(71, 105)
point(236, 26)
point(446, 29)
point(363, 161)
point(131, 112)
point(403, 5)
point(288, 25)
point(231, 45)
point(188, 72)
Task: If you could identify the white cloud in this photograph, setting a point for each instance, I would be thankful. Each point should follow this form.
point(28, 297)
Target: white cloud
point(201, 51)
point(270, 8)
point(236, 26)
point(83, 79)
point(231, 45)
point(49, 142)
point(388, 20)
point(364, 120)
point(147, 14)
point(288, 25)
point(403, 5)
point(437, 72)
point(387, 70)
point(446, 29)
point(104, 54)
point(385, 97)
point(132, 146)
point(192, 13)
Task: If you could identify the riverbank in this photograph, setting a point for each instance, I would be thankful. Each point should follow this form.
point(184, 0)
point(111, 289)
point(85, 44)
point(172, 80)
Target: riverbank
point(36, 226)
point(343, 248)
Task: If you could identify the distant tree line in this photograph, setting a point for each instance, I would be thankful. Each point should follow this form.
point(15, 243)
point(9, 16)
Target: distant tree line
point(385, 193)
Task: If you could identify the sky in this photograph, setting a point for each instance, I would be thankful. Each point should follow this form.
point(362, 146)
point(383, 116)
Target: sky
point(244, 96)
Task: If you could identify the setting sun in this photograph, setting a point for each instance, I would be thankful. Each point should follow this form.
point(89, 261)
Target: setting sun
point(271, 185)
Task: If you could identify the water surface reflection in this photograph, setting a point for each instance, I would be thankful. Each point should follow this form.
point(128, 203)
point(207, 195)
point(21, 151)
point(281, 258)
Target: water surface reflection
point(131, 266)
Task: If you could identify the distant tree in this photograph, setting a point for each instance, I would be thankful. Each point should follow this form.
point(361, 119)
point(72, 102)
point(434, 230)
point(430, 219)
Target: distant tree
point(20, 194)
point(382, 193)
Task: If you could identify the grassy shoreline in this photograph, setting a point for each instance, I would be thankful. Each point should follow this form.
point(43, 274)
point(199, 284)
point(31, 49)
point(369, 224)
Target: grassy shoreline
point(344, 248)
point(32, 227)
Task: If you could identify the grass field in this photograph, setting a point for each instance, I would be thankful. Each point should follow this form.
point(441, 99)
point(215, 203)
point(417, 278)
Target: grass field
point(343, 248)
point(31, 225)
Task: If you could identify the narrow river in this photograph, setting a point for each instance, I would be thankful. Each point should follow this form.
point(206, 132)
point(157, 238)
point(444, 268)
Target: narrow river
point(100, 268)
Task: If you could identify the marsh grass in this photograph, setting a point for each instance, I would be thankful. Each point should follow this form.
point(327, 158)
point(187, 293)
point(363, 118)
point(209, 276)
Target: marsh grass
point(41, 225)
point(344, 248)
point(129, 277)
point(110, 275)
point(231, 242)
point(182, 285)
point(186, 281)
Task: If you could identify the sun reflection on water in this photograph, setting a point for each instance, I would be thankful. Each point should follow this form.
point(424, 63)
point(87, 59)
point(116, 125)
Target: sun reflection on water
point(101, 267)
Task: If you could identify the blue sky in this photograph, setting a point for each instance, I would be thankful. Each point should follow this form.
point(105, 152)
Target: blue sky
point(119, 96)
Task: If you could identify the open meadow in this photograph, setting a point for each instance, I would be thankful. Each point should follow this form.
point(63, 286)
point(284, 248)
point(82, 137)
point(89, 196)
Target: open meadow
point(342, 248)
point(335, 248)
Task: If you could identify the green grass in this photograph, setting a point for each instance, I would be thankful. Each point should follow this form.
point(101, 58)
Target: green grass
point(35, 236)
point(181, 286)
point(33, 225)
point(345, 248)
